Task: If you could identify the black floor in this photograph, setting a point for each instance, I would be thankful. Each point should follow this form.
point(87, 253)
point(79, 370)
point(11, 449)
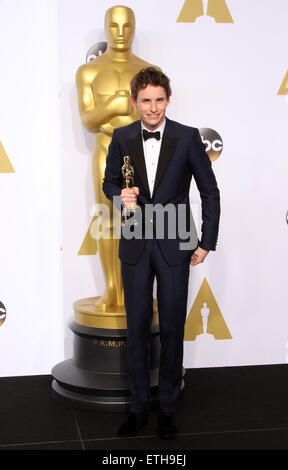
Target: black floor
point(235, 408)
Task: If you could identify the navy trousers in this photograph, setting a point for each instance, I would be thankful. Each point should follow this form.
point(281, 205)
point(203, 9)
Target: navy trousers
point(172, 289)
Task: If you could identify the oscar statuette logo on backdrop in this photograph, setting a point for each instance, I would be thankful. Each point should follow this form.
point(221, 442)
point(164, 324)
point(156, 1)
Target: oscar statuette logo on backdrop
point(215, 11)
point(283, 90)
point(5, 164)
point(205, 321)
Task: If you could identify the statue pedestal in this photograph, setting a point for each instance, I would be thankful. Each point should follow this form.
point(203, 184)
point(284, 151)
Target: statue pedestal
point(96, 377)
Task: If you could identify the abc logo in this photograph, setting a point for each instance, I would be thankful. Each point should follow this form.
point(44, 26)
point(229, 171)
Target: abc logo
point(212, 141)
point(95, 51)
point(2, 313)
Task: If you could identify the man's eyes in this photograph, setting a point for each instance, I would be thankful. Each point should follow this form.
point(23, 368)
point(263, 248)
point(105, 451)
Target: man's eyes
point(159, 100)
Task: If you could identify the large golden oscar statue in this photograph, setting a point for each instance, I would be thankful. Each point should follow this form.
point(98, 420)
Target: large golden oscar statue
point(104, 104)
point(99, 326)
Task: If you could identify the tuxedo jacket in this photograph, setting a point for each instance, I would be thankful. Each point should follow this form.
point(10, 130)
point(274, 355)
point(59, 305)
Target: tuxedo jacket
point(182, 157)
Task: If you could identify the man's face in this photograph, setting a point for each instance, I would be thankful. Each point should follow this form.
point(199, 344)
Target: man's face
point(151, 104)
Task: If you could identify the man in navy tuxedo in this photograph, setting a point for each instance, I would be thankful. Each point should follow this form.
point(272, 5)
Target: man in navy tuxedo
point(165, 156)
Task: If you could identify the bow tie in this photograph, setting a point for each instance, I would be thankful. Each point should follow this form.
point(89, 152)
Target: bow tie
point(151, 135)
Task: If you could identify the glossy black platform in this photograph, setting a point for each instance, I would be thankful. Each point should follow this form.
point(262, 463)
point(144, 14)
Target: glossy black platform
point(96, 377)
point(234, 408)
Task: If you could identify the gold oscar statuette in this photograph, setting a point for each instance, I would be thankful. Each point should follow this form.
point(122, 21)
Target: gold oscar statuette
point(128, 182)
point(128, 173)
point(104, 100)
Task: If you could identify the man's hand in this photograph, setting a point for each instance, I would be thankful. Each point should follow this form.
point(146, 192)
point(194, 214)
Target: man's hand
point(198, 256)
point(129, 197)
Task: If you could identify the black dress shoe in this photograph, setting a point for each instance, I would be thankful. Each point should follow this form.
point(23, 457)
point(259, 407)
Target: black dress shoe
point(133, 424)
point(166, 427)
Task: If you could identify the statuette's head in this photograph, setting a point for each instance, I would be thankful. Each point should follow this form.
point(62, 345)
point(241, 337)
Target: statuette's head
point(120, 27)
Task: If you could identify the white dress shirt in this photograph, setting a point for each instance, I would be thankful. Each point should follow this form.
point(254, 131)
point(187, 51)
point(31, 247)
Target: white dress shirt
point(151, 149)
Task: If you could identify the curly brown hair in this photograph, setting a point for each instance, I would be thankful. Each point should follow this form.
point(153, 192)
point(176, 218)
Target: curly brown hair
point(149, 76)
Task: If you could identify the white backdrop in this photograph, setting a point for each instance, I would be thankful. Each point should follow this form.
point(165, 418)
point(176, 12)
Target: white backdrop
point(224, 76)
point(31, 337)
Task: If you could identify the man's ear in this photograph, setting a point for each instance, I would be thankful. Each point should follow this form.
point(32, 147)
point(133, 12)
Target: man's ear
point(133, 102)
